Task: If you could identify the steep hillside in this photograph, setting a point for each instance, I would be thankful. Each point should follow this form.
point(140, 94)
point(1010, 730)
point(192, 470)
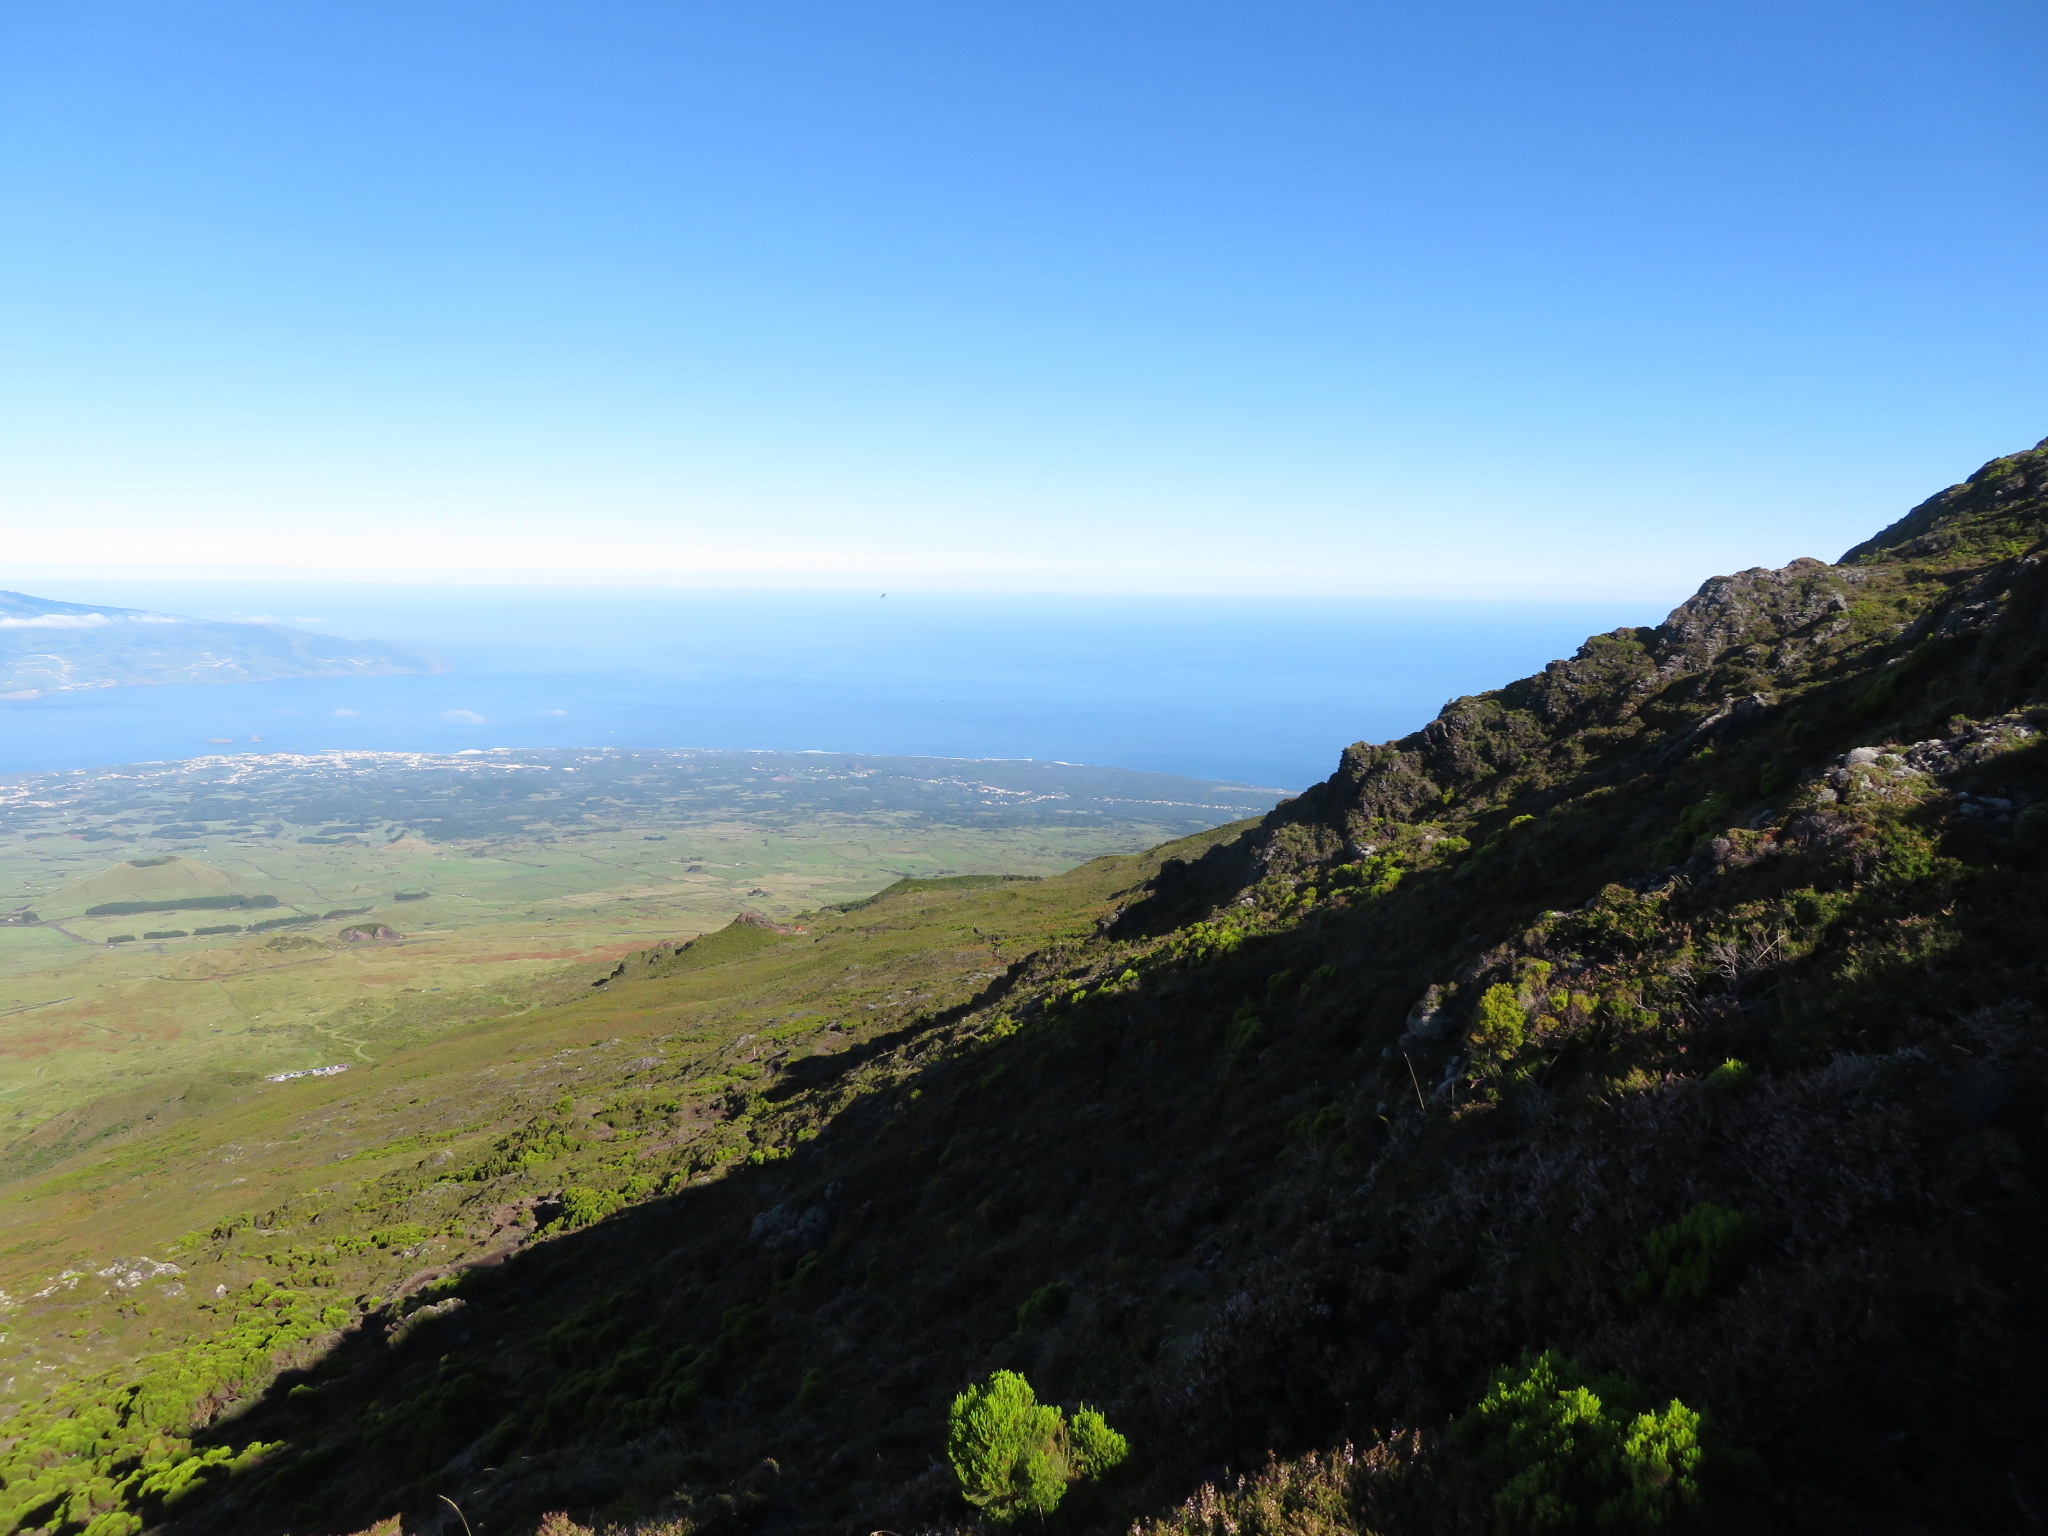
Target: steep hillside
point(1618, 1106)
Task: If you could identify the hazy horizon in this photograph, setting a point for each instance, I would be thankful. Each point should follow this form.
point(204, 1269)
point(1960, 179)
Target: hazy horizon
point(1259, 691)
point(1311, 299)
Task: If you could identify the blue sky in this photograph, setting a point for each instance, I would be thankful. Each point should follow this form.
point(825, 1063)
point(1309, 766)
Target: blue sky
point(1465, 299)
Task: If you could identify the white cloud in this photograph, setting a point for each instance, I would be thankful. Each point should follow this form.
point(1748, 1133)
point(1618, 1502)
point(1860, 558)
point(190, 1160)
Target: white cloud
point(342, 712)
point(554, 711)
point(462, 717)
point(59, 621)
point(84, 620)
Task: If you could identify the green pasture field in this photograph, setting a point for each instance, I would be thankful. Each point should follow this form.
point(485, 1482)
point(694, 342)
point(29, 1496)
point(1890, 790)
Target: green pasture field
point(506, 877)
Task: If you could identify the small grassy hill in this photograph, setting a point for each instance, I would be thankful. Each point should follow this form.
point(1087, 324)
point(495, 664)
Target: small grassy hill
point(165, 877)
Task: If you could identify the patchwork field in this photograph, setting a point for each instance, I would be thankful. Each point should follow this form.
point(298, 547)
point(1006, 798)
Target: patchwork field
point(172, 930)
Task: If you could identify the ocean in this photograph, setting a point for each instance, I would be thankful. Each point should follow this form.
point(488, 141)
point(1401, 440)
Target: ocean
point(1253, 691)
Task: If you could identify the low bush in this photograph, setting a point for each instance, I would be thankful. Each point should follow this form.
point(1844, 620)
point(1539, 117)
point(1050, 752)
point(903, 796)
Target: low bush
point(1015, 1455)
point(1562, 1462)
point(1500, 1029)
point(1697, 1254)
point(1044, 1306)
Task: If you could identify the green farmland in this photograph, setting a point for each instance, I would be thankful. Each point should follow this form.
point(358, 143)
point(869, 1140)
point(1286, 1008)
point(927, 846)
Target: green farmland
point(372, 899)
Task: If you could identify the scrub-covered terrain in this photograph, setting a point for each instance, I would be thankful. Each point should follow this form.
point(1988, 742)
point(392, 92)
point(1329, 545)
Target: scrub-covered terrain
point(1616, 1107)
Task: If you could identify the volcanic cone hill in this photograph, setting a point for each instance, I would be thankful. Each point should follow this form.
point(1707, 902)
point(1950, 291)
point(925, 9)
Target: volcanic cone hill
point(165, 878)
point(1616, 1107)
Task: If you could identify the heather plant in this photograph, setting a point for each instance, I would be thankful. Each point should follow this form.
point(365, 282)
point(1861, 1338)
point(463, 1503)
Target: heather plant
point(1321, 1494)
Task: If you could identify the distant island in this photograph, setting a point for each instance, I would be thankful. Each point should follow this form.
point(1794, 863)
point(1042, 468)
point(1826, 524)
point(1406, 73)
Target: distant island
point(48, 646)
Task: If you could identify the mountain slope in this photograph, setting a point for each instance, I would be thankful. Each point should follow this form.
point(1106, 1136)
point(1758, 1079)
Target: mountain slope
point(46, 646)
point(1617, 1106)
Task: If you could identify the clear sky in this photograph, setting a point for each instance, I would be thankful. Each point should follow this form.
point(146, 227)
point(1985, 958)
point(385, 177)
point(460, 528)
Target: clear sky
point(1460, 298)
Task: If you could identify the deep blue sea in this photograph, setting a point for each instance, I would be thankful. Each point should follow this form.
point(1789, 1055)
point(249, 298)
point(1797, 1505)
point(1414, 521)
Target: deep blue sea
point(1256, 691)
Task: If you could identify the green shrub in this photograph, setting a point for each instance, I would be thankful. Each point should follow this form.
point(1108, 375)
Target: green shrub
point(1092, 1445)
point(1562, 1462)
point(1694, 823)
point(1247, 1032)
point(740, 1327)
point(1501, 1028)
point(1694, 1256)
point(1015, 1455)
point(1046, 1305)
point(1314, 1124)
point(2030, 831)
point(1619, 921)
point(808, 1268)
point(1005, 1448)
point(1495, 843)
point(1206, 941)
point(1729, 1075)
point(1907, 856)
point(111, 1448)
